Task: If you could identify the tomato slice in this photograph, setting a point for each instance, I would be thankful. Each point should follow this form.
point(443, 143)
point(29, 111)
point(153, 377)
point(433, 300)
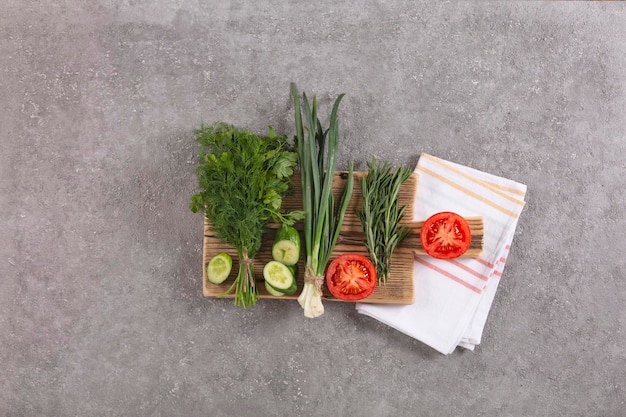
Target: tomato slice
point(445, 235)
point(351, 277)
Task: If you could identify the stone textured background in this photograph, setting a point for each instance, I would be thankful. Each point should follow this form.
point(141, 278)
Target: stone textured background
point(101, 309)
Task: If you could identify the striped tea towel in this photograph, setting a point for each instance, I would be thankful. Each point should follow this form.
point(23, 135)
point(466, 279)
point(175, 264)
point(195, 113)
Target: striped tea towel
point(453, 297)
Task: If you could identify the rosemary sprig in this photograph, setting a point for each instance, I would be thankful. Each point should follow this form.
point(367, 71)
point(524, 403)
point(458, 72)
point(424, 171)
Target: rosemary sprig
point(380, 214)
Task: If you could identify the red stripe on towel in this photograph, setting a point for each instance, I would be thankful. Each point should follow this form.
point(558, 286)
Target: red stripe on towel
point(447, 274)
point(469, 270)
point(484, 262)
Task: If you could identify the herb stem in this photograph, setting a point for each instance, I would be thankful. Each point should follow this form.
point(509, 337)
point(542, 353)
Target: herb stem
point(317, 152)
point(380, 214)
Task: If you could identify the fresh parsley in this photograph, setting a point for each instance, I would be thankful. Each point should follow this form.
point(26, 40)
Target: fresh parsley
point(243, 178)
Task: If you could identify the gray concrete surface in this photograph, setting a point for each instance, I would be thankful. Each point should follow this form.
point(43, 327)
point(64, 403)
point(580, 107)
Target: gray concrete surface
point(101, 310)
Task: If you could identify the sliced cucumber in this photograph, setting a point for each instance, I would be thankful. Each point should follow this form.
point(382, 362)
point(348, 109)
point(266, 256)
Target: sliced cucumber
point(279, 276)
point(286, 247)
point(272, 291)
point(294, 271)
point(293, 289)
point(219, 268)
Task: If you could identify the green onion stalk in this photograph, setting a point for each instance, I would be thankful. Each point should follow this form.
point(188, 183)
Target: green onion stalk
point(317, 153)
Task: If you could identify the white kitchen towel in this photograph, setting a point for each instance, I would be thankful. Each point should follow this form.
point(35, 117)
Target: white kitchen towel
point(453, 297)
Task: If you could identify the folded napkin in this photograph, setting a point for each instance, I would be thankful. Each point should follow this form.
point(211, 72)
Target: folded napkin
point(453, 297)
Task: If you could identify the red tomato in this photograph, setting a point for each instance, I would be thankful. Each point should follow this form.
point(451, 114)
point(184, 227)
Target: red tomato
point(445, 235)
point(351, 277)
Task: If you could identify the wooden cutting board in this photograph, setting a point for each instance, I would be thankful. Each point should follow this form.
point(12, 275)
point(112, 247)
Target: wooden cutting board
point(399, 287)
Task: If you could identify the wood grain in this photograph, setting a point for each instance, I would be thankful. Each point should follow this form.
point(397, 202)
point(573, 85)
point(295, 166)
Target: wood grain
point(399, 287)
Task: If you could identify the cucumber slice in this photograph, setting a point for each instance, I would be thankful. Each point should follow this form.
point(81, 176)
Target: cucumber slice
point(294, 271)
point(278, 276)
point(294, 287)
point(219, 268)
point(286, 247)
point(292, 290)
point(272, 291)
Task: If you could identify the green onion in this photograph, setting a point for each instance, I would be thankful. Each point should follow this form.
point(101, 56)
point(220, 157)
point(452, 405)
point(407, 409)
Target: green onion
point(317, 153)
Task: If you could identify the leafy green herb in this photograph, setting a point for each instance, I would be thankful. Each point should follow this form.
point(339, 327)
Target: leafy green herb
point(380, 214)
point(243, 178)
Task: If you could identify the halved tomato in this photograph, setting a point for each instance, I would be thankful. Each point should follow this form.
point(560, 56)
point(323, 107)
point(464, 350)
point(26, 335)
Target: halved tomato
point(351, 277)
point(445, 235)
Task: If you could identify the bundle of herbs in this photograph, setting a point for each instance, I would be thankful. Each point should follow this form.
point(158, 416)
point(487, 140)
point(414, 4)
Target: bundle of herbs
point(243, 178)
point(317, 151)
point(380, 214)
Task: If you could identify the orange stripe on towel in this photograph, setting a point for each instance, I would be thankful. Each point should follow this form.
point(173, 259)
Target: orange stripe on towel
point(495, 188)
point(507, 189)
point(447, 274)
point(469, 192)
